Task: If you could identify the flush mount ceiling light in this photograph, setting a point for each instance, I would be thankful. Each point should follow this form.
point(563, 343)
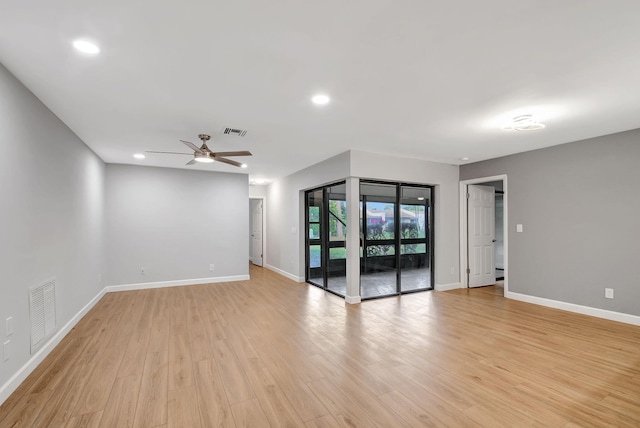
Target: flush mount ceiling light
point(524, 122)
point(320, 99)
point(139, 156)
point(86, 47)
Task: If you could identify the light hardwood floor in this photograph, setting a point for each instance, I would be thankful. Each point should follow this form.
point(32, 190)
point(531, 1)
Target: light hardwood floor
point(270, 352)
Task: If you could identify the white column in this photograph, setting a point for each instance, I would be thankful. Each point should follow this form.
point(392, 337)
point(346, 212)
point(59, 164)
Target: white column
point(353, 240)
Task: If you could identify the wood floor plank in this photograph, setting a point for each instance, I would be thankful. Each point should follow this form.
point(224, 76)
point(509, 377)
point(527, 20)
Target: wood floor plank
point(59, 407)
point(90, 420)
point(26, 412)
point(212, 398)
point(183, 408)
point(151, 409)
point(327, 421)
point(98, 387)
point(275, 405)
point(120, 410)
point(249, 414)
point(273, 352)
point(233, 375)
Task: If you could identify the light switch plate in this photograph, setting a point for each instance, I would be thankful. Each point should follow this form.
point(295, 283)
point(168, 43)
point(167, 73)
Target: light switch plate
point(519, 228)
point(8, 327)
point(5, 350)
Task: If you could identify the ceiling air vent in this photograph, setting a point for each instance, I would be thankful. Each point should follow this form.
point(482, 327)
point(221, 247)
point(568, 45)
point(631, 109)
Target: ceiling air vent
point(234, 131)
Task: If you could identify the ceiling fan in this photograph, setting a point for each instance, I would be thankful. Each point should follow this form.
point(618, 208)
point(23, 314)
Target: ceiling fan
point(204, 155)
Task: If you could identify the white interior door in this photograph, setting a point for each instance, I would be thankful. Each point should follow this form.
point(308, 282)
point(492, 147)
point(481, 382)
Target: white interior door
point(256, 232)
point(481, 235)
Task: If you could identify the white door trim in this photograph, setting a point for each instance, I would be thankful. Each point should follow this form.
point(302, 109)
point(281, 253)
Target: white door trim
point(464, 279)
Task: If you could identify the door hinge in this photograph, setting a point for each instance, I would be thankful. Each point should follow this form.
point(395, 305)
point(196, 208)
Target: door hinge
point(468, 271)
point(468, 196)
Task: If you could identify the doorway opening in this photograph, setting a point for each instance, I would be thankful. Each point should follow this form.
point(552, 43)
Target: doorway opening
point(483, 232)
point(256, 231)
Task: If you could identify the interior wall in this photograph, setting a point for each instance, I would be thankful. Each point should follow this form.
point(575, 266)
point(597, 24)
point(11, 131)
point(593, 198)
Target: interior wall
point(578, 204)
point(52, 192)
point(444, 177)
point(174, 223)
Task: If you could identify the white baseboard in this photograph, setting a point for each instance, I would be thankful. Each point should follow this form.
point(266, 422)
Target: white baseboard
point(14, 381)
point(447, 287)
point(571, 307)
point(352, 300)
point(176, 283)
point(285, 273)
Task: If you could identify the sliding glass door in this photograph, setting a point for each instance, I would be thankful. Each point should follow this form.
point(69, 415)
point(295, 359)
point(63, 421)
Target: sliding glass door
point(327, 231)
point(396, 255)
point(395, 224)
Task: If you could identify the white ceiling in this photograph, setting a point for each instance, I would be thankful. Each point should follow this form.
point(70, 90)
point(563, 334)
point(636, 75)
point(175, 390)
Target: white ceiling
point(415, 78)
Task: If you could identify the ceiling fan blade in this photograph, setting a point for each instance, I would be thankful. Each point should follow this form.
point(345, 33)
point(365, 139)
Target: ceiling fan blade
point(229, 161)
point(192, 146)
point(169, 153)
point(191, 162)
point(243, 153)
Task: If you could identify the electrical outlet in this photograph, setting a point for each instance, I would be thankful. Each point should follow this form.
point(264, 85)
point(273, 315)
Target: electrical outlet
point(5, 350)
point(608, 293)
point(8, 327)
point(212, 267)
point(141, 271)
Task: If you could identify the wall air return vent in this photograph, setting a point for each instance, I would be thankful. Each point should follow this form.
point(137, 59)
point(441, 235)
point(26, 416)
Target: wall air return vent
point(42, 309)
point(234, 131)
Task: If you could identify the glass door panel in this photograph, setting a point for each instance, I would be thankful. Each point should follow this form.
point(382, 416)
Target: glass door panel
point(378, 265)
point(415, 273)
point(315, 274)
point(337, 239)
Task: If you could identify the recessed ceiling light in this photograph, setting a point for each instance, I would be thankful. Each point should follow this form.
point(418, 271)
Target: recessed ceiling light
point(421, 198)
point(320, 99)
point(464, 159)
point(139, 156)
point(244, 165)
point(259, 181)
point(524, 122)
point(86, 47)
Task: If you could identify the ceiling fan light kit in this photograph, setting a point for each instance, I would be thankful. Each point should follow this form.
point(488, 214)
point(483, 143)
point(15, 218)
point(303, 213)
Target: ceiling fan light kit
point(203, 154)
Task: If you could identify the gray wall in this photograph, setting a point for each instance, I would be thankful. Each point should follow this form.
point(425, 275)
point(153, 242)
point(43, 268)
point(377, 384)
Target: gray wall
point(579, 205)
point(52, 193)
point(174, 223)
